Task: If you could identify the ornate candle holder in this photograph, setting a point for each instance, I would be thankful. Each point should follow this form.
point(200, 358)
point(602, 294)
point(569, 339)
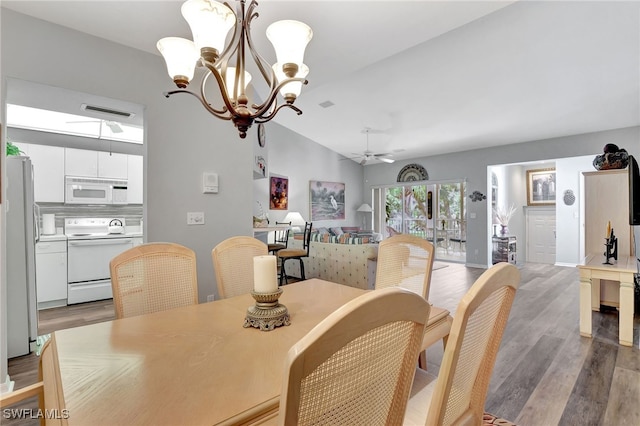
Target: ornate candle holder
point(267, 313)
point(611, 251)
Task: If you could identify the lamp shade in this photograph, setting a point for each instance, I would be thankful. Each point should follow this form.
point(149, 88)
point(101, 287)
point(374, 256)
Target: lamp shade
point(180, 55)
point(295, 218)
point(209, 21)
point(230, 81)
point(295, 87)
point(289, 39)
point(365, 208)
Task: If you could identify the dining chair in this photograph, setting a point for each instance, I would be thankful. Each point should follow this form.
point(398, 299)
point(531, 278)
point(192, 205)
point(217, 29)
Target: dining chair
point(357, 365)
point(153, 277)
point(233, 264)
point(457, 395)
point(295, 253)
point(407, 261)
point(280, 239)
point(48, 389)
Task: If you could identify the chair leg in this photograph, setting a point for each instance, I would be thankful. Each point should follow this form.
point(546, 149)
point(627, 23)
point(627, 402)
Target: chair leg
point(422, 360)
point(283, 273)
point(302, 277)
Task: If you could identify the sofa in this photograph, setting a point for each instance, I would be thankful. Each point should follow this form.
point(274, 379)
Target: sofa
point(345, 259)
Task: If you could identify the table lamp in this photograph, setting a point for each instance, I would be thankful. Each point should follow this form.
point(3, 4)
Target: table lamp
point(364, 208)
point(297, 221)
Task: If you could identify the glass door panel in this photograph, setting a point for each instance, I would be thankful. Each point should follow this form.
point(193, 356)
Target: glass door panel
point(435, 212)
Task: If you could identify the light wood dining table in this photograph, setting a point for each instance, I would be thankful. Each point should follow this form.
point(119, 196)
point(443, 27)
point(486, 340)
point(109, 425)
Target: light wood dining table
point(192, 365)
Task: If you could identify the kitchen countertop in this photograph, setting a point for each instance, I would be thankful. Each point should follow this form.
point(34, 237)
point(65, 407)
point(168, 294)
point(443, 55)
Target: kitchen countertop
point(54, 237)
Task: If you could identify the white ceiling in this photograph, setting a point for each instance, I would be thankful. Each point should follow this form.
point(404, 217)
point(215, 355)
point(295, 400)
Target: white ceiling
point(428, 77)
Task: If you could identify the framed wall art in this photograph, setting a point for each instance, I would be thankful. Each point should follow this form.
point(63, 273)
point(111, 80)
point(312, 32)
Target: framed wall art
point(278, 193)
point(326, 200)
point(541, 187)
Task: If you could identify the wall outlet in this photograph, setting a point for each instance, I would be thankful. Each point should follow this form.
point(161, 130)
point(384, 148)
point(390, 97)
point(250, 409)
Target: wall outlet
point(211, 297)
point(195, 218)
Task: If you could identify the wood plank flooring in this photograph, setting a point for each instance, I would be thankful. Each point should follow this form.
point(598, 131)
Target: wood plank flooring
point(545, 374)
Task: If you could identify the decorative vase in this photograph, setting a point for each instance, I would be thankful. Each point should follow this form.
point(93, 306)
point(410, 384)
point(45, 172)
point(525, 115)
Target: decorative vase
point(504, 230)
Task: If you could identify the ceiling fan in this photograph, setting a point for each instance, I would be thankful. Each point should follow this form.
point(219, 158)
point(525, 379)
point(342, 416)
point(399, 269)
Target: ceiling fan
point(371, 156)
point(112, 125)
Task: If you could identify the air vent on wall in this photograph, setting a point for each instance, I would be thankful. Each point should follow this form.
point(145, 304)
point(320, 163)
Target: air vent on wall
point(105, 110)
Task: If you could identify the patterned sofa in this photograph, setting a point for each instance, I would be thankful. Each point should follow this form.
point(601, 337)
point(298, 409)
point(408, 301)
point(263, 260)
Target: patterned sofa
point(341, 259)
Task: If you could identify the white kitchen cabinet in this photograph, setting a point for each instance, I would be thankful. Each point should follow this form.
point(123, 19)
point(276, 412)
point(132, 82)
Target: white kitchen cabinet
point(137, 241)
point(51, 274)
point(112, 165)
point(48, 171)
point(80, 162)
point(83, 162)
point(135, 177)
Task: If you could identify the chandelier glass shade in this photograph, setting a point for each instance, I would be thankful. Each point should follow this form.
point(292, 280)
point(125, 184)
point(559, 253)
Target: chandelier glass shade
point(211, 23)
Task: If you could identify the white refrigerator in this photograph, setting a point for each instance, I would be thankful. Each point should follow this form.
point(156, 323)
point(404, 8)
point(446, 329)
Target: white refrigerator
point(22, 234)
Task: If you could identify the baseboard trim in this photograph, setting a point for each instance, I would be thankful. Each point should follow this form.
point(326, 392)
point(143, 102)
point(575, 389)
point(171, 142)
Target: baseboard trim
point(569, 265)
point(475, 265)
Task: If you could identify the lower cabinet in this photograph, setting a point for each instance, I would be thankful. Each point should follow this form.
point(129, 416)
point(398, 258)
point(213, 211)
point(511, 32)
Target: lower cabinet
point(51, 274)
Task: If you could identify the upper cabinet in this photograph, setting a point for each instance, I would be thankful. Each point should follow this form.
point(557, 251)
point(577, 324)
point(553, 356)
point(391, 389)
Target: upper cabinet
point(81, 162)
point(48, 171)
point(112, 165)
point(52, 163)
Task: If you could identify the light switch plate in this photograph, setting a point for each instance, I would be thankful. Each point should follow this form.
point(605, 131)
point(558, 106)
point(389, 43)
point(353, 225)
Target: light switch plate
point(195, 218)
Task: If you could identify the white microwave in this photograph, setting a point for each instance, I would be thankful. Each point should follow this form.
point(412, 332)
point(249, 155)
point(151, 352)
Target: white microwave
point(89, 190)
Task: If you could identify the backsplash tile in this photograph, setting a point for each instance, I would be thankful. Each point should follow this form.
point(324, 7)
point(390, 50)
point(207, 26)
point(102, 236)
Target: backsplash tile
point(132, 213)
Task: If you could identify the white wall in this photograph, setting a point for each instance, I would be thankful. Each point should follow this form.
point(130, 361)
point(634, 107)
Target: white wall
point(301, 160)
point(472, 165)
point(568, 218)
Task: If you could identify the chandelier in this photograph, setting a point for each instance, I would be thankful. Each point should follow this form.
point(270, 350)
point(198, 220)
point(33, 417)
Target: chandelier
point(211, 23)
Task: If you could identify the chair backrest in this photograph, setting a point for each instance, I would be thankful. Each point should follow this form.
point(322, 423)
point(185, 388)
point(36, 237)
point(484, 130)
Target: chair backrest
point(48, 388)
point(307, 236)
point(461, 389)
point(356, 367)
point(405, 260)
point(52, 397)
point(153, 277)
point(233, 264)
point(282, 235)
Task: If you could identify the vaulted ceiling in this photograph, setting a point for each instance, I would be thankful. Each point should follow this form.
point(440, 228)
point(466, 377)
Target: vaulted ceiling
point(427, 77)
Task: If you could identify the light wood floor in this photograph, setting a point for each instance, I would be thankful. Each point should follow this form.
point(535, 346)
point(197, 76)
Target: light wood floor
point(545, 374)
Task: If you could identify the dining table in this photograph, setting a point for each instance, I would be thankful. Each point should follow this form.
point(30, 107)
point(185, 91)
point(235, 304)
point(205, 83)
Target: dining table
point(191, 365)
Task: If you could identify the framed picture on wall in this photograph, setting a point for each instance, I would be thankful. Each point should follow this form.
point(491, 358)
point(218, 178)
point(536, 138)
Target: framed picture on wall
point(326, 200)
point(541, 187)
point(278, 193)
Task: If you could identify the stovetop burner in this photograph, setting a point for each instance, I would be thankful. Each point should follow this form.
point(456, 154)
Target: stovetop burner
point(86, 228)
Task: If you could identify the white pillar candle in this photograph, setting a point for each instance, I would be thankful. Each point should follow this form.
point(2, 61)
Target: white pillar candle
point(265, 274)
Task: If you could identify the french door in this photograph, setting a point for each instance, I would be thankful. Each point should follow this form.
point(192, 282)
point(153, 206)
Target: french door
point(434, 211)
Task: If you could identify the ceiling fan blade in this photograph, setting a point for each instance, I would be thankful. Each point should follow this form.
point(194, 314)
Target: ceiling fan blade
point(363, 162)
point(115, 127)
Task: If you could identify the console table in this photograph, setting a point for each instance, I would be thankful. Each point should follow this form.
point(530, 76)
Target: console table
point(592, 270)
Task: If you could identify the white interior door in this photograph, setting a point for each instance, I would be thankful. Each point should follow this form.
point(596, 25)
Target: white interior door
point(541, 235)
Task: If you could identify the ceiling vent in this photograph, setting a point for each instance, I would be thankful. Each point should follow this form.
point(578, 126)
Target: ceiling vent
point(326, 104)
point(105, 110)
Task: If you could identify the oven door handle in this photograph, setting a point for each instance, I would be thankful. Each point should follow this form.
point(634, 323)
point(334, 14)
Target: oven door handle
point(101, 242)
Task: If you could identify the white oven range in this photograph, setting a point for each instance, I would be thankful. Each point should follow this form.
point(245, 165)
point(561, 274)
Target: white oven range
point(91, 244)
